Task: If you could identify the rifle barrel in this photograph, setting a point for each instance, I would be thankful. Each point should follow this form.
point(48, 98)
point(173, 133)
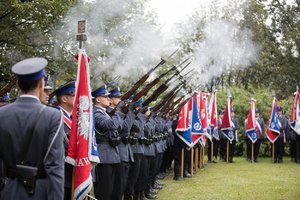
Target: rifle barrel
point(8, 86)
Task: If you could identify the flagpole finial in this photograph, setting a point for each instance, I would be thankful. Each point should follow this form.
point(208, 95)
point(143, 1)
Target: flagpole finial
point(81, 32)
point(273, 93)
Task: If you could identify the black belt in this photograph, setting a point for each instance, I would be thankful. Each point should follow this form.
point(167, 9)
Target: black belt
point(102, 140)
point(12, 173)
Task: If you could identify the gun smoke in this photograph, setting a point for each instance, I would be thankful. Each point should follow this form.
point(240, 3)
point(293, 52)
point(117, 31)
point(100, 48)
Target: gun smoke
point(125, 37)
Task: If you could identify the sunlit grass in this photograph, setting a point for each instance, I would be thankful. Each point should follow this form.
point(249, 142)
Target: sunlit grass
point(240, 180)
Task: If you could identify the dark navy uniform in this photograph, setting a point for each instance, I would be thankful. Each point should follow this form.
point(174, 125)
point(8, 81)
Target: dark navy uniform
point(3, 101)
point(298, 148)
point(46, 150)
point(279, 143)
point(248, 142)
point(260, 137)
point(169, 141)
point(232, 145)
point(222, 142)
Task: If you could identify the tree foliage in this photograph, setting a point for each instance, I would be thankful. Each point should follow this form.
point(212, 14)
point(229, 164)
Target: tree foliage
point(26, 30)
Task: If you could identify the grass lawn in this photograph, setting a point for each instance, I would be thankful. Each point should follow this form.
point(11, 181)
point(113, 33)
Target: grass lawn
point(240, 180)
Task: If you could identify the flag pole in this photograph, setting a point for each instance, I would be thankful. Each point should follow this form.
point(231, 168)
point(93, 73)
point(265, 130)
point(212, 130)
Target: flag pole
point(227, 151)
point(203, 154)
point(182, 161)
point(80, 37)
point(192, 161)
point(196, 159)
point(200, 155)
point(252, 152)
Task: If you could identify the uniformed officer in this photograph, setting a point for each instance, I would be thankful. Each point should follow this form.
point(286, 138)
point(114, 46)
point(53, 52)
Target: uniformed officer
point(143, 185)
point(4, 99)
point(279, 143)
point(137, 133)
point(107, 138)
point(260, 128)
point(47, 90)
point(65, 95)
point(31, 139)
point(232, 145)
point(169, 140)
point(291, 137)
point(298, 148)
point(222, 143)
point(125, 151)
point(178, 144)
point(159, 147)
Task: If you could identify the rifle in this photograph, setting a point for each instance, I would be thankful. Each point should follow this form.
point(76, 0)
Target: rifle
point(163, 87)
point(166, 107)
point(150, 85)
point(8, 87)
point(162, 102)
point(177, 110)
point(142, 80)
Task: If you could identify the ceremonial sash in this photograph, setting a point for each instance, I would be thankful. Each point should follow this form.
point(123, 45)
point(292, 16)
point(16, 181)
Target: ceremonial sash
point(68, 123)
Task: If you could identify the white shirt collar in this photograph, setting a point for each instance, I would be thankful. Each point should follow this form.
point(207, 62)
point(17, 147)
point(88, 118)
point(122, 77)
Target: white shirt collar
point(69, 114)
point(31, 96)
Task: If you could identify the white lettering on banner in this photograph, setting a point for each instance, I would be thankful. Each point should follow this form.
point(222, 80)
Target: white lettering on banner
point(82, 162)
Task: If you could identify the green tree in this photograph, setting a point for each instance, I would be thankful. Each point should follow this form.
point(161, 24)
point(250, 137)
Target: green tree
point(25, 31)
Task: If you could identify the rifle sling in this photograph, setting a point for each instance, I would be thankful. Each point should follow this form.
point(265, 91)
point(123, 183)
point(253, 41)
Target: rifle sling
point(30, 135)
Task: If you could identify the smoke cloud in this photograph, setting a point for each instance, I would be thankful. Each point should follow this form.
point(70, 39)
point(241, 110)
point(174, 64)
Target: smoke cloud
point(127, 37)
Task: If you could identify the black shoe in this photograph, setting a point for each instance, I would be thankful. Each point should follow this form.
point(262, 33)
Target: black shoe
point(153, 191)
point(161, 175)
point(143, 197)
point(275, 161)
point(187, 174)
point(150, 196)
point(157, 187)
point(280, 161)
point(231, 161)
point(214, 161)
point(126, 197)
point(178, 178)
point(158, 182)
point(137, 196)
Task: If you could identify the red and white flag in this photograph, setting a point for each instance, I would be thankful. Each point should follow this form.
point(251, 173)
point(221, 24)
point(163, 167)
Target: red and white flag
point(251, 123)
point(183, 121)
point(227, 124)
point(295, 114)
point(81, 149)
point(202, 111)
point(274, 125)
point(213, 110)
